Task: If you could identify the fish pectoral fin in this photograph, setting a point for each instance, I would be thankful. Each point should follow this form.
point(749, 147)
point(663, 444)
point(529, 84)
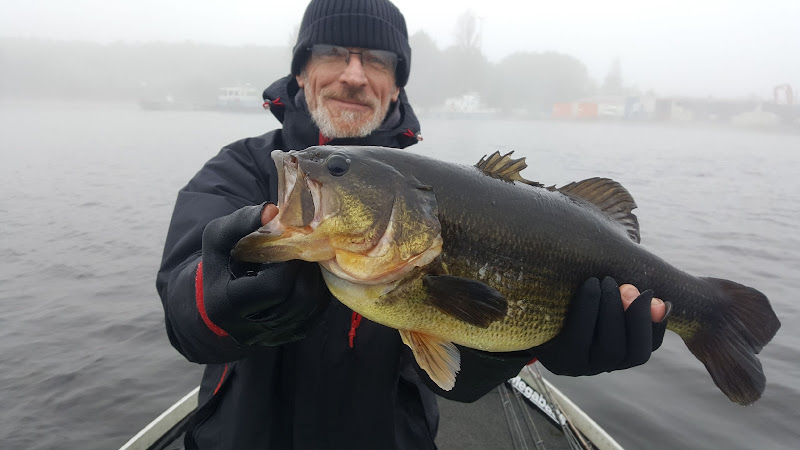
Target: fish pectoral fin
point(467, 300)
point(440, 359)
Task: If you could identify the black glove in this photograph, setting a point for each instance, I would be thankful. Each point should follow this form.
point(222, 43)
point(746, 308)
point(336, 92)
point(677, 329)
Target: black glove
point(599, 335)
point(257, 304)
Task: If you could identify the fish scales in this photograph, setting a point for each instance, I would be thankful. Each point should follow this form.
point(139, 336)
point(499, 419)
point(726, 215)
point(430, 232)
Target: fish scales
point(550, 239)
point(480, 257)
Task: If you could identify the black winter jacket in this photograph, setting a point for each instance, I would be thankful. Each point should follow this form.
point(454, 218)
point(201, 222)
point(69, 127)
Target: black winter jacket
point(319, 392)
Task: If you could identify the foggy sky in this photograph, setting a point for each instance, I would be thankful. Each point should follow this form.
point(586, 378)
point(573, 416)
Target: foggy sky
point(678, 47)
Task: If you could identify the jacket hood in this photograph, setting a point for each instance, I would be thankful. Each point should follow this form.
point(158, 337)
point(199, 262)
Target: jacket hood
point(287, 103)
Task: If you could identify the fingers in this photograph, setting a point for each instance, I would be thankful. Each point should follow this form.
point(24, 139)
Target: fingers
point(659, 310)
point(582, 317)
point(638, 330)
point(659, 328)
point(629, 293)
point(268, 213)
point(222, 233)
point(264, 289)
point(609, 345)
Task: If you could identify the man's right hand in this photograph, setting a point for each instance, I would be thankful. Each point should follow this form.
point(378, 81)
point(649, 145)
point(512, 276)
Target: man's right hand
point(258, 304)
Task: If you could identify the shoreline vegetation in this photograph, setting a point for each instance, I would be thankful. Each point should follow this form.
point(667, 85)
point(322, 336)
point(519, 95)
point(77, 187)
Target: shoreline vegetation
point(457, 82)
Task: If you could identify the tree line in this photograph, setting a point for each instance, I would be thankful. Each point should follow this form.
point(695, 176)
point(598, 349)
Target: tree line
point(34, 68)
point(194, 72)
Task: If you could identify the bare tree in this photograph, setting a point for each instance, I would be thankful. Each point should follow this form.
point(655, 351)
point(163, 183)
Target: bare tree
point(468, 31)
point(613, 82)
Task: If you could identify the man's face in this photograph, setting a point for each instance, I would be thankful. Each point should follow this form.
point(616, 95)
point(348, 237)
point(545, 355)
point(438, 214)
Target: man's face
point(347, 99)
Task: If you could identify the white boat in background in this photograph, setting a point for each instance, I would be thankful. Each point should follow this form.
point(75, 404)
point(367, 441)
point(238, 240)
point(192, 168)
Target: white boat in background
point(466, 106)
point(240, 97)
point(538, 415)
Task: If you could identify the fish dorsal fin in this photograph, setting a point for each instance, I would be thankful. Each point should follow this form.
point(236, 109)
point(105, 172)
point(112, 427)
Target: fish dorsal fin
point(505, 168)
point(611, 198)
point(440, 359)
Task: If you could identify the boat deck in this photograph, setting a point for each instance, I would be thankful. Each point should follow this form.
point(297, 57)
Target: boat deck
point(526, 412)
point(484, 425)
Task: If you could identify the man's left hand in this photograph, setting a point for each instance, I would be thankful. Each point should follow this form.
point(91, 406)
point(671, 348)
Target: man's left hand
point(608, 327)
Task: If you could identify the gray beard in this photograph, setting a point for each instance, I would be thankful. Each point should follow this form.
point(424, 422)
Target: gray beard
point(322, 118)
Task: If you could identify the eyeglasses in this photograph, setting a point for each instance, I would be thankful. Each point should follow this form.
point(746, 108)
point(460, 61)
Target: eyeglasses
point(380, 61)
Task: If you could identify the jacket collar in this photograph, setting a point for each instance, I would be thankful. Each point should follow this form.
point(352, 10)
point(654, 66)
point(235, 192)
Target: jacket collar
point(287, 103)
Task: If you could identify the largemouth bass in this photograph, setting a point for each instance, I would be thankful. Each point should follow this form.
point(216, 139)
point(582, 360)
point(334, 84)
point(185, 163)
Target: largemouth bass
point(481, 257)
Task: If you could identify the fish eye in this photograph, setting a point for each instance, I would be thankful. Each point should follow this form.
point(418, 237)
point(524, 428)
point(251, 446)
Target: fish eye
point(338, 165)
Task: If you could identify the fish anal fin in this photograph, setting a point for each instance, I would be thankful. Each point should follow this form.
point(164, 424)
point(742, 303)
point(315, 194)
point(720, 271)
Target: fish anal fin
point(440, 359)
point(505, 168)
point(609, 197)
point(467, 300)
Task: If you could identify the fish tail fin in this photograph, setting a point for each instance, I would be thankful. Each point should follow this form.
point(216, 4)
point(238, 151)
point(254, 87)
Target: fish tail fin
point(728, 348)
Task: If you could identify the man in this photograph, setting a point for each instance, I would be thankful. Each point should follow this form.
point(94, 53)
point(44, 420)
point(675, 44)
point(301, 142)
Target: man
point(287, 367)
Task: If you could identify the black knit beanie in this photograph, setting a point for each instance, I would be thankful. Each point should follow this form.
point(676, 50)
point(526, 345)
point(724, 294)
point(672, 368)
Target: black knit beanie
point(376, 24)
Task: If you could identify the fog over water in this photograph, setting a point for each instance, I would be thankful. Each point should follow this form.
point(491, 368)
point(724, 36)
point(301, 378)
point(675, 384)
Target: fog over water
point(88, 181)
point(727, 48)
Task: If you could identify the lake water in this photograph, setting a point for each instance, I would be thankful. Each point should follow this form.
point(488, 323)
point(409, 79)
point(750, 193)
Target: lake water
point(88, 189)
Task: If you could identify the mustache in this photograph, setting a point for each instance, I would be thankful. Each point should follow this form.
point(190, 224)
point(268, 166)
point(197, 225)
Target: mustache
point(351, 94)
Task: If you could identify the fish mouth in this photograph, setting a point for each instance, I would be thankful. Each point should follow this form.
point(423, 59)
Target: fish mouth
point(298, 195)
point(299, 214)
